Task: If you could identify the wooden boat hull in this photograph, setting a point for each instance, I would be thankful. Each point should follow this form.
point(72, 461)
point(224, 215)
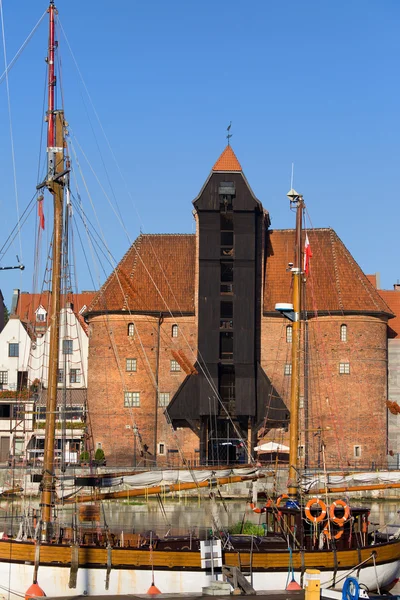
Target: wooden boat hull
point(180, 571)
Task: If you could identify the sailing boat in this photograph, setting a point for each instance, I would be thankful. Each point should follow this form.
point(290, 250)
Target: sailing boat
point(297, 537)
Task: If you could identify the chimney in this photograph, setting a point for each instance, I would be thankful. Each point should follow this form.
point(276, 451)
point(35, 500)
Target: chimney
point(396, 286)
point(14, 302)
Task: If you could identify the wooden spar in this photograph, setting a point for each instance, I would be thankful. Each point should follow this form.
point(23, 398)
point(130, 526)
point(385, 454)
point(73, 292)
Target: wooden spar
point(56, 188)
point(55, 166)
point(174, 487)
point(295, 380)
point(353, 488)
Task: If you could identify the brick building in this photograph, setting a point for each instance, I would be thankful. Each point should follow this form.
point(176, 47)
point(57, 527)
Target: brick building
point(187, 323)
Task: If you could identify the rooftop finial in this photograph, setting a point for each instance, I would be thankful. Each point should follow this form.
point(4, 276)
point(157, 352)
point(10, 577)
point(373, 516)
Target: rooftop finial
point(229, 135)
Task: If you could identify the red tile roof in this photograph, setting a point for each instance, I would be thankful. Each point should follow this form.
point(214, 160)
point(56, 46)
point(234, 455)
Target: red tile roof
point(29, 303)
point(392, 299)
point(227, 161)
point(156, 274)
point(335, 284)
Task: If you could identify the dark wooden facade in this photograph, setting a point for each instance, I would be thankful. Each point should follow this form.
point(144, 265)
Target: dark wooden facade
point(227, 399)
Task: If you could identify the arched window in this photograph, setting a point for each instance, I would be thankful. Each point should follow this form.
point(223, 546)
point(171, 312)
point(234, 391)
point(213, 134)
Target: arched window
point(174, 331)
point(289, 334)
point(343, 333)
point(131, 329)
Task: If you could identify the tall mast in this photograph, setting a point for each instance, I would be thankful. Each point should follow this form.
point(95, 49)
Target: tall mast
point(55, 183)
point(296, 201)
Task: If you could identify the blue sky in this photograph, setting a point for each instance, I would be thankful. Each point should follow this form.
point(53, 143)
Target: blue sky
point(314, 83)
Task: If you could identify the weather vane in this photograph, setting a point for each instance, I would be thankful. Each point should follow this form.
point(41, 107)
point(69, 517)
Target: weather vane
point(229, 135)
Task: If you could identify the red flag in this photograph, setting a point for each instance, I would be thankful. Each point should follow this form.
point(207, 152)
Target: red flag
point(307, 256)
point(40, 212)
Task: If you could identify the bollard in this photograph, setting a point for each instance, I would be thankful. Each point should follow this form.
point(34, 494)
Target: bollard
point(313, 584)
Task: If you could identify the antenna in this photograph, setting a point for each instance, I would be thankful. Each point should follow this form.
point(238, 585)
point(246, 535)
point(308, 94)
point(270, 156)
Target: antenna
point(229, 135)
point(292, 177)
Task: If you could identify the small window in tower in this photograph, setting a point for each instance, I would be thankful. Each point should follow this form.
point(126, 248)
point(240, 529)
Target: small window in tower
point(131, 329)
point(226, 345)
point(161, 448)
point(226, 315)
point(288, 369)
point(226, 278)
point(357, 451)
point(226, 221)
point(301, 451)
point(175, 366)
point(343, 333)
point(344, 368)
point(289, 334)
point(174, 331)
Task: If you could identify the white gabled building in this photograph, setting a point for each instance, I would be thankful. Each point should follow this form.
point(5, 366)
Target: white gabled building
point(16, 403)
point(24, 359)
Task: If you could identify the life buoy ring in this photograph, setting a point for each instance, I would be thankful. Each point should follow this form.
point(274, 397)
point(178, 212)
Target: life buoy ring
point(263, 509)
point(280, 498)
point(328, 534)
point(339, 520)
point(322, 506)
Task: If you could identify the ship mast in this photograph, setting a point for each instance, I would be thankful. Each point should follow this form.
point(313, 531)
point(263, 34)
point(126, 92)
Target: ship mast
point(55, 184)
point(296, 202)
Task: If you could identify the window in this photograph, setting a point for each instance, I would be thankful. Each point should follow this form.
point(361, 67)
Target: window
point(3, 376)
point(67, 346)
point(161, 448)
point(288, 369)
point(18, 411)
point(99, 445)
point(343, 333)
point(289, 334)
point(41, 413)
point(357, 451)
point(344, 368)
point(73, 413)
point(60, 376)
point(40, 317)
point(18, 446)
point(226, 345)
point(13, 350)
point(5, 411)
point(131, 364)
point(174, 331)
point(75, 376)
point(301, 451)
point(131, 329)
point(163, 398)
point(175, 366)
point(132, 399)
point(301, 402)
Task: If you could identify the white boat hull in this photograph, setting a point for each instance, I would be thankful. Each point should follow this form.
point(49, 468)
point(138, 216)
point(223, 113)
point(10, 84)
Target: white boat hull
point(16, 578)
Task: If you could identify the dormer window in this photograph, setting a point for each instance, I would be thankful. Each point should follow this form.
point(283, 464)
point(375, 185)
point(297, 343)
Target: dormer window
point(174, 331)
point(131, 329)
point(41, 314)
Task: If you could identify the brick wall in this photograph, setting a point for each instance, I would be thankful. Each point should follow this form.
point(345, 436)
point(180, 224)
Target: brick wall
point(351, 404)
point(111, 422)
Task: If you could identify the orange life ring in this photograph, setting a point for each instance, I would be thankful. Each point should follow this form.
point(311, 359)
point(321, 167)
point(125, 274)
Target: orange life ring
point(322, 514)
point(328, 534)
point(280, 498)
point(263, 509)
point(339, 520)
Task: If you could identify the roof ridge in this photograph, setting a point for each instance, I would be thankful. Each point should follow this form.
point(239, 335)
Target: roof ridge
point(335, 269)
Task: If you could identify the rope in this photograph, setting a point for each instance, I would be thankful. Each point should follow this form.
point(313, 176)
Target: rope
point(10, 125)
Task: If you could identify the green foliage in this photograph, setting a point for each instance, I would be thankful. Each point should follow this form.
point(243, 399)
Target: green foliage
point(99, 454)
point(247, 528)
point(84, 456)
point(6, 315)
